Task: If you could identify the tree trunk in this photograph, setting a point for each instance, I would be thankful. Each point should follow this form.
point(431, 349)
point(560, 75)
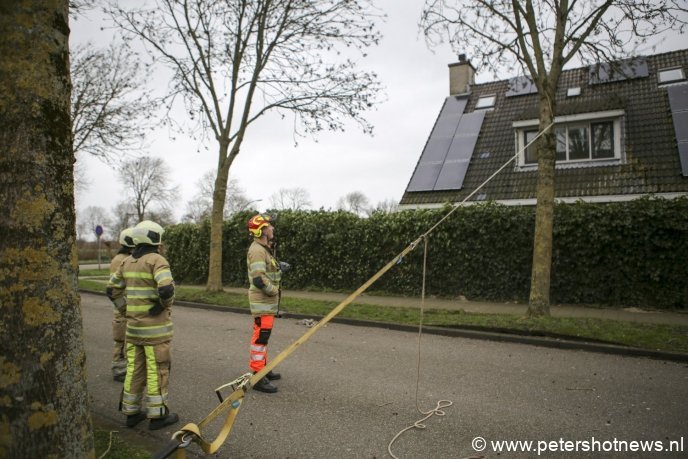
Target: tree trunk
point(43, 396)
point(217, 222)
point(538, 304)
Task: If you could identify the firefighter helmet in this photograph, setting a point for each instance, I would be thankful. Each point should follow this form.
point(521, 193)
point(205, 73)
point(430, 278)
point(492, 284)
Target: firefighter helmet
point(257, 223)
point(148, 232)
point(126, 237)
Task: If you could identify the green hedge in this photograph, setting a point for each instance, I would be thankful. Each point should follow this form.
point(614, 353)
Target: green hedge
point(619, 254)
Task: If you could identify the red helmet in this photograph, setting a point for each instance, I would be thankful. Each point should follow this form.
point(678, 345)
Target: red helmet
point(257, 223)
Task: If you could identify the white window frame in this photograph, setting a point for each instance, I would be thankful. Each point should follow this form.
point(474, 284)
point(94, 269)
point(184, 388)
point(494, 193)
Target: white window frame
point(583, 119)
point(485, 102)
point(681, 75)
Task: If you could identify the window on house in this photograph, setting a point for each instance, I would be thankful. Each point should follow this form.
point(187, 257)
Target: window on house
point(485, 102)
point(670, 75)
point(577, 141)
point(531, 150)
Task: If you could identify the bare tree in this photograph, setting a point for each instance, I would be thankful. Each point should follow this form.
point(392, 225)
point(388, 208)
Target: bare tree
point(146, 180)
point(235, 61)
point(89, 218)
point(290, 199)
point(111, 110)
point(540, 37)
point(45, 410)
point(162, 215)
point(78, 7)
point(201, 206)
point(386, 206)
point(354, 202)
point(124, 216)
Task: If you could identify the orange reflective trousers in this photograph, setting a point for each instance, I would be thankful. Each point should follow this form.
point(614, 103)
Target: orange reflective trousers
point(262, 327)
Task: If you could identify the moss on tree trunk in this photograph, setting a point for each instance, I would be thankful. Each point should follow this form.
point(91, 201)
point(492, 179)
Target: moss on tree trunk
point(43, 396)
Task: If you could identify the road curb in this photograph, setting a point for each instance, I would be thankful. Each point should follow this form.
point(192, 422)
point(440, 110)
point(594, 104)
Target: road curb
point(499, 336)
point(559, 342)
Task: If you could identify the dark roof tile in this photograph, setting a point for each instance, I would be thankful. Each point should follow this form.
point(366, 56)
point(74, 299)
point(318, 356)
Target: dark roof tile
point(651, 162)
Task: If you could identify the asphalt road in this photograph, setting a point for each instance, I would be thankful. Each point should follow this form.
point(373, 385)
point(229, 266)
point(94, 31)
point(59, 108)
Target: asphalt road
point(349, 390)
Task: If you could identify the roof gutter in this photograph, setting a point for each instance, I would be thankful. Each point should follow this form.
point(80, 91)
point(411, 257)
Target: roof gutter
point(533, 201)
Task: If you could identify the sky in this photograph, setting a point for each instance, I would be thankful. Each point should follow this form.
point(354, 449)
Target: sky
point(416, 81)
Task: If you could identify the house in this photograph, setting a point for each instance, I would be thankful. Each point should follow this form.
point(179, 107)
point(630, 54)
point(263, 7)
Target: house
point(621, 130)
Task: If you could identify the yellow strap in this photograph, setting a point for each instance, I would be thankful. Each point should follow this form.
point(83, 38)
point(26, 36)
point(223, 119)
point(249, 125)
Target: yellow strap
point(285, 353)
point(238, 395)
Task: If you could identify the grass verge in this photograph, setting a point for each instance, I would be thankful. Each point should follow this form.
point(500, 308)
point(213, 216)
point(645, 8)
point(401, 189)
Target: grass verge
point(116, 447)
point(673, 338)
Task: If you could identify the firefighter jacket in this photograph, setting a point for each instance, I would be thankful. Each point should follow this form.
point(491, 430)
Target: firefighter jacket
point(120, 303)
point(117, 260)
point(146, 279)
point(264, 277)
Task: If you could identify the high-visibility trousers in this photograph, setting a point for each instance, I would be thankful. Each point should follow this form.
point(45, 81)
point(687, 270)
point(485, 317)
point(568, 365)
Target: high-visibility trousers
point(262, 327)
point(147, 367)
point(119, 356)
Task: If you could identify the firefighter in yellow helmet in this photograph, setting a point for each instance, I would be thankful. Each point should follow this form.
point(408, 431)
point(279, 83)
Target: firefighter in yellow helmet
point(119, 320)
point(264, 275)
point(143, 282)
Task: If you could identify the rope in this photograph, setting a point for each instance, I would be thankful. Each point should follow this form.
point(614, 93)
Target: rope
point(109, 445)
point(438, 410)
point(233, 402)
point(471, 194)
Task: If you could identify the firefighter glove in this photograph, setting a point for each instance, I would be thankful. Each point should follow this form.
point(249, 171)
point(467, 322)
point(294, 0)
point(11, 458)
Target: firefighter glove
point(284, 267)
point(156, 309)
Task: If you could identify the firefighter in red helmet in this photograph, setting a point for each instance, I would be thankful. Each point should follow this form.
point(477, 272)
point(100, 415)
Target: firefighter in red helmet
point(264, 275)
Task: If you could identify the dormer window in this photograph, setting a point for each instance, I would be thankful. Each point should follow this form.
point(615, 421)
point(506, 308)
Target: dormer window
point(670, 75)
point(581, 140)
point(486, 102)
point(573, 92)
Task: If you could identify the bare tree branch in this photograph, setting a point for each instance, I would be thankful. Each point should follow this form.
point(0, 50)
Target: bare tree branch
point(542, 36)
point(146, 181)
point(111, 110)
point(233, 62)
point(290, 199)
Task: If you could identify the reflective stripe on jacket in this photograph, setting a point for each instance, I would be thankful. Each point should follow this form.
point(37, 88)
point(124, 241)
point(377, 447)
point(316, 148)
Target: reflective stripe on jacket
point(142, 279)
point(262, 265)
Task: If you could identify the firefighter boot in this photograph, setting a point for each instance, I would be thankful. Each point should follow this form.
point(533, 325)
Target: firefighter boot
point(167, 420)
point(134, 419)
point(264, 385)
point(272, 376)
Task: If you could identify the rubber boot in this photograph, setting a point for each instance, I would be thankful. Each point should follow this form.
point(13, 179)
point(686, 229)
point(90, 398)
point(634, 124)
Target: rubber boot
point(272, 376)
point(167, 420)
point(264, 385)
point(134, 419)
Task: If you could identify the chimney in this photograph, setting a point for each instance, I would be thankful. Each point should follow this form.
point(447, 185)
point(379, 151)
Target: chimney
point(461, 76)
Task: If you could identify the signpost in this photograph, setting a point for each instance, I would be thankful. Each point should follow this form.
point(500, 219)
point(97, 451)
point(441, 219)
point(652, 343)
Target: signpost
point(99, 233)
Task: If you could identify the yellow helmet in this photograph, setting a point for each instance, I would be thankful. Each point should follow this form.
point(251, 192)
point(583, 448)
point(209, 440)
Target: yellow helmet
point(148, 232)
point(257, 223)
point(126, 237)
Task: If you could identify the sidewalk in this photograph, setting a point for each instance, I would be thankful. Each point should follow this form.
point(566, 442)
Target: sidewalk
point(486, 307)
point(483, 307)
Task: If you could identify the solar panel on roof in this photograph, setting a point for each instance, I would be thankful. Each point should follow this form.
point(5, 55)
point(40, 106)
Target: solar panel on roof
point(425, 176)
point(681, 125)
point(437, 146)
point(460, 151)
point(683, 156)
point(618, 71)
point(520, 86)
point(678, 101)
point(452, 174)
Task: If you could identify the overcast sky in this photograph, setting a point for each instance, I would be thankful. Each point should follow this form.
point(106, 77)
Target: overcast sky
point(416, 81)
